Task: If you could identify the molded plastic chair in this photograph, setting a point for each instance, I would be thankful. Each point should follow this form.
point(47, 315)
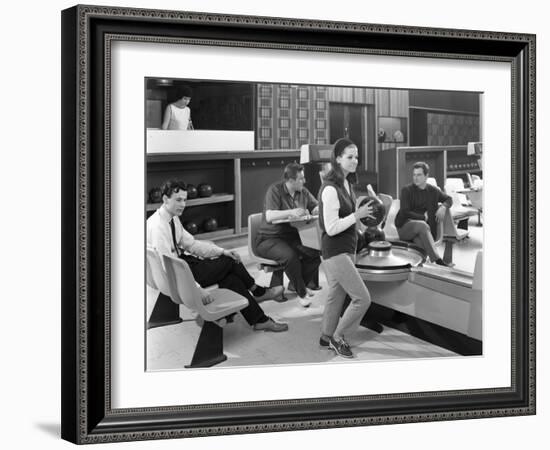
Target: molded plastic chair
point(387, 200)
point(451, 235)
point(389, 227)
point(476, 194)
point(461, 208)
point(156, 277)
point(432, 181)
point(149, 279)
point(209, 348)
point(267, 265)
point(166, 310)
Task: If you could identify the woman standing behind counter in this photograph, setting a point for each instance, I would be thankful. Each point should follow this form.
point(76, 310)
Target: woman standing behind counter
point(338, 218)
point(177, 115)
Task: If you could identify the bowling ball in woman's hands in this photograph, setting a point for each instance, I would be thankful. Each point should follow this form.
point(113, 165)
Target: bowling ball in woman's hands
point(378, 211)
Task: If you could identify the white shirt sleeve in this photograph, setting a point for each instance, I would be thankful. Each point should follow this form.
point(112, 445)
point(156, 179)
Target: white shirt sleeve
point(331, 206)
point(203, 249)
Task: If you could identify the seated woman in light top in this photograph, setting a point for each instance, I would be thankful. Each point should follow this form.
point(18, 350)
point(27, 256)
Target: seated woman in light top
point(177, 115)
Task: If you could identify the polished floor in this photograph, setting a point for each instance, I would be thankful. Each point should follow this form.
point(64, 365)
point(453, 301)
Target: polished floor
point(171, 347)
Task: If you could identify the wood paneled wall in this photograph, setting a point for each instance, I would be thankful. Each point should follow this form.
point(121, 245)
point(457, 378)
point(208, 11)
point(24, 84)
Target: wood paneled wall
point(392, 102)
point(351, 95)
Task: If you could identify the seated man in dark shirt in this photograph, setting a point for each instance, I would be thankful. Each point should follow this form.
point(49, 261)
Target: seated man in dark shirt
point(281, 242)
point(422, 206)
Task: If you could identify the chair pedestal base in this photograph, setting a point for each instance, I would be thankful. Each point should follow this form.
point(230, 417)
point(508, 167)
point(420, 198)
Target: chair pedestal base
point(209, 348)
point(448, 253)
point(165, 312)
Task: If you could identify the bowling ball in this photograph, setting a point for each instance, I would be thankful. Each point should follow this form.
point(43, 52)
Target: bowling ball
point(210, 224)
point(205, 190)
point(372, 234)
point(191, 227)
point(378, 211)
point(155, 195)
point(192, 192)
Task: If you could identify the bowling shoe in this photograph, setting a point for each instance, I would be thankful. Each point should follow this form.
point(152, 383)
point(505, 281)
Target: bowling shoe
point(340, 347)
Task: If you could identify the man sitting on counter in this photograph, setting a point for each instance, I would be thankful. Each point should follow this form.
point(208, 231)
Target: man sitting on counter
point(422, 207)
point(281, 241)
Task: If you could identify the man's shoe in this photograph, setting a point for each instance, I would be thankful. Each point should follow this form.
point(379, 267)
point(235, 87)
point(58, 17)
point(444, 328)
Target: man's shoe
point(340, 347)
point(272, 293)
point(270, 325)
point(304, 301)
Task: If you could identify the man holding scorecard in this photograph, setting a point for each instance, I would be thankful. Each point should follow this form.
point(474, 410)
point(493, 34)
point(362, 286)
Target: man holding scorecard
point(278, 240)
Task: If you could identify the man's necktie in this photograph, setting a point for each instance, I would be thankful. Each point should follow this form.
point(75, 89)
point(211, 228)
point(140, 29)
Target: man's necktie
point(173, 229)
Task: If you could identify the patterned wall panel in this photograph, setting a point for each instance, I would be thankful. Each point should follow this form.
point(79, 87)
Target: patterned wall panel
point(291, 115)
point(452, 129)
point(265, 121)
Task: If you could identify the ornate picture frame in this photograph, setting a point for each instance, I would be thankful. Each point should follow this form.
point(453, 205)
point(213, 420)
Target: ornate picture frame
point(88, 33)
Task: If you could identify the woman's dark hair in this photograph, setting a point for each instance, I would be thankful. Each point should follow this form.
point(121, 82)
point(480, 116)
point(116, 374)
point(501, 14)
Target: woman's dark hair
point(184, 91)
point(336, 175)
point(171, 186)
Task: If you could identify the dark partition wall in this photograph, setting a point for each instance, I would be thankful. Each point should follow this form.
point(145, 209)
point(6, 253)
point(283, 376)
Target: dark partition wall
point(215, 105)
point(258, 172)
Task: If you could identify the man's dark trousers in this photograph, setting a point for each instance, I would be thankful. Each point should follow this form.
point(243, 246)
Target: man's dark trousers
point(229, 274)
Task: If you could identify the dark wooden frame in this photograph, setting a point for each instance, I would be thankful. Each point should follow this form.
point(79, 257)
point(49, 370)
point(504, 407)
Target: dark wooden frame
point(87, 416)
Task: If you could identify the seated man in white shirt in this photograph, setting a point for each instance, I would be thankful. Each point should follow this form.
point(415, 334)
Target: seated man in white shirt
point(209, 263)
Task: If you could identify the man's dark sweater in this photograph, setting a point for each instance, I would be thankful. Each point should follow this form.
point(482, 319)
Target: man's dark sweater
point(415, 202)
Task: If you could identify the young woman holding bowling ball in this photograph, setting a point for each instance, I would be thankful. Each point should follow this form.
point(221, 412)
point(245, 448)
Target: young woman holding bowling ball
point(339, 218)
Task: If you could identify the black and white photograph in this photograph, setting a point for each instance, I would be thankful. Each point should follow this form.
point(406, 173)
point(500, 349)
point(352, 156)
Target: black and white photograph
point(311, 224)
point(276, 224)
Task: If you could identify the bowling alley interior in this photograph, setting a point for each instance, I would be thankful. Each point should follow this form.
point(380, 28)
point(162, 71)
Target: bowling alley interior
point(239, 138)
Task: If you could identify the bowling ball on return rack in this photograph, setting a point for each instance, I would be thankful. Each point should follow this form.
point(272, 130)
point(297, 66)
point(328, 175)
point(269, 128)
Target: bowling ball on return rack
point(192, 192)
point(191, 227)
point(372, 234)
point(378, 211)
point(155, 195)
point(205, 190)
point(210, 224)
